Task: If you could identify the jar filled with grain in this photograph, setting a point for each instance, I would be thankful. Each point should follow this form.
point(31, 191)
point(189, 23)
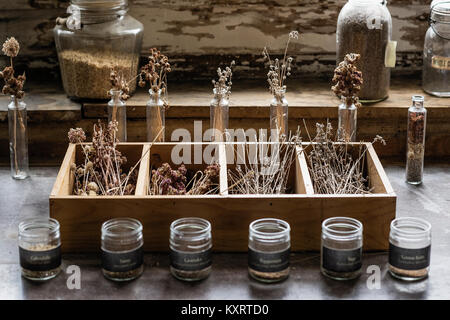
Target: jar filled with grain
point(365, 27)
point(97, 37)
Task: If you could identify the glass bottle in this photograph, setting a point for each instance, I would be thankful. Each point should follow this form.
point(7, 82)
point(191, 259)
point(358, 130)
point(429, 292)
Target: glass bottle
point(341, 250)
point(365, 27)
point(18, 138)
point(190, 249)
point(415, 153)
point(39, 248)
point(347, 122)
point(122, 249)
point(98, 35)
point(279, 114)
point(436, 52)
point(117, 111)
point(156, 117)
point(409, 248)
point(219, 114)
point(269, 245)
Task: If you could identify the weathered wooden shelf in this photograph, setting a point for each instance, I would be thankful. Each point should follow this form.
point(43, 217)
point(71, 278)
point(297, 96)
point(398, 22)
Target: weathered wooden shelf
point(230, 214)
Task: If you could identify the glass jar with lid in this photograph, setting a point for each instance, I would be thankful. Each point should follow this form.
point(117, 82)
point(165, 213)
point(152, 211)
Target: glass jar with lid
point(97, 37)
point(365, 27)
point(436, 52)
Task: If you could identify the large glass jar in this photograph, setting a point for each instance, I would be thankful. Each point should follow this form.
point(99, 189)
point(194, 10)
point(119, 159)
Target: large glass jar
point(436, 52)
point(98, 36)
point(365, 27)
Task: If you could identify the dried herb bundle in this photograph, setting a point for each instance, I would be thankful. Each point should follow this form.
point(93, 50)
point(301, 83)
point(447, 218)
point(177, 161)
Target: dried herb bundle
point(332, 168)
point(166, 181)
point(348, 80)
point(263, 173)
point(101, 172)
point(223, 84)
point(279, 70)
point(119, 83)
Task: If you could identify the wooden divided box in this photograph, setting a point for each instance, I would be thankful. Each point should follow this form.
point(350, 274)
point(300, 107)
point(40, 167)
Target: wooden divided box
point(81, 217)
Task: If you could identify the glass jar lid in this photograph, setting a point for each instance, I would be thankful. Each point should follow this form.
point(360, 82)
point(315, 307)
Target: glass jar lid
point(100, 4)
point(440, 12)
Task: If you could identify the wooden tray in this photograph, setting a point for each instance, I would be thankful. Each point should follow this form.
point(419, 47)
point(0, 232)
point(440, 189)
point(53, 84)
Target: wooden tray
point(230, 215)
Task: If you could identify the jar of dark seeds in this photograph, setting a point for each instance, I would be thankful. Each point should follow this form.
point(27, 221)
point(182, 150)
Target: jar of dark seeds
point(269, 245)
point(122, 249)
point(39, 249)
point(409, 248)
point(190, 249)
point(341, 250)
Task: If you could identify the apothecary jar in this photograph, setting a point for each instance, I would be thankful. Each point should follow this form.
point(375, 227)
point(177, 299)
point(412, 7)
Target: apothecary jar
point(98, 36)
point(436, 52)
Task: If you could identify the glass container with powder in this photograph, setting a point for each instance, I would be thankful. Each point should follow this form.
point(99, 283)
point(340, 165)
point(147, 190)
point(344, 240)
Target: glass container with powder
point(341, 250)
point(39, 249)
point(97, 37)
point(269, 245)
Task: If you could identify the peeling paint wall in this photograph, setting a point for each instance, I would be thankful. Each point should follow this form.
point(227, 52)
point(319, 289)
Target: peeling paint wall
point(199, 35)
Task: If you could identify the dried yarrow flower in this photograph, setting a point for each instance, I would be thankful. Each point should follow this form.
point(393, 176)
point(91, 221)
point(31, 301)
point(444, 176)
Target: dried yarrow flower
point(11, 47)
point(348, 80)
point(76, 135)
point(223, 84)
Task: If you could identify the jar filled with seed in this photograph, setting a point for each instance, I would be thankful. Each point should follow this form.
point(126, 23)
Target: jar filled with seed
point(269, 245)
point(190, 249)
point(122, 249)
point(40, 248)
point(95, 38)
point(409, 248)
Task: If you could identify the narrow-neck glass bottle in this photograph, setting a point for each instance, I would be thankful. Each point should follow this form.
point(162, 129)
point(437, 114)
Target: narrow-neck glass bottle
point(117, 111)
point(279, 114)
point(18, 138)
point(347, 122)
point(219, 114)
point(156, 117)
point(417, 118)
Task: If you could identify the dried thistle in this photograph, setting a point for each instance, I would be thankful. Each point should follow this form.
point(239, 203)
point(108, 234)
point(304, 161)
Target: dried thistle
point(279, 70)
point(119, 83)
point(348, 80)
point(223, 84)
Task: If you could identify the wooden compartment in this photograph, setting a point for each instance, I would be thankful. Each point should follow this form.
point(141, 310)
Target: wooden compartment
point(229, 214)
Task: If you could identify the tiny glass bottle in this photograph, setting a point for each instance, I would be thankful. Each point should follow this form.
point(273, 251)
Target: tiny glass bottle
point(269, 245)
point(417, 118)
point(347, 122)
point(117, 111)
point(341, 249)
point(122, 249)
point(18, 138)
point(219, 114)
point(39, 248)
point(156, 118)
point(409, 248)
point(279, 114)
point(190, 249)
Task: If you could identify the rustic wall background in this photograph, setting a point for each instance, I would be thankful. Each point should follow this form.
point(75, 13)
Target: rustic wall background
point(198, 35)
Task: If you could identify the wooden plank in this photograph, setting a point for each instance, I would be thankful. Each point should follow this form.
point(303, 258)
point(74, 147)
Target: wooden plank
point(64, 180)
point(223, 170)
point(303, 179)
point(144, 172)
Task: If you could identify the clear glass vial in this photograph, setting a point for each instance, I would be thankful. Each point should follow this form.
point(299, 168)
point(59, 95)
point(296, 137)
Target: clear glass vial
point(341, 249)
point(156, 117)
point(415, 153)
point(279, 114)
point(365, 27)
point(269, 245)
point(18, 138)
point(98, 35)
point(117, 111)
point(436, 52)
point(39, 248)
point(219, 114)
point(190, 249)
point(347, 122)
point(409, 248)
point(122, 249)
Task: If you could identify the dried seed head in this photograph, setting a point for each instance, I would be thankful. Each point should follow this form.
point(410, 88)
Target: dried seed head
point(11, 47)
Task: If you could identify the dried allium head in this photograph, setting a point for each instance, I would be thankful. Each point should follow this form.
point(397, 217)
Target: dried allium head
point(223, 84)
point(348, 80)
point(76, 135)
point(11, 47)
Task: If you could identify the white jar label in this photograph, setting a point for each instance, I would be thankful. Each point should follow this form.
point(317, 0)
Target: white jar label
point(442, 63)
point(390, 56)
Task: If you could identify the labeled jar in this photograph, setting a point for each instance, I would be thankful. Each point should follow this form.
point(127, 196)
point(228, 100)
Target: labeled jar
point(341, 250)
point(409, 248)
point(190, 249)
point(269, 245)
point(436, 51)
point(39, 249)
point(365, 27)
point(97, 37)
point(122, 249)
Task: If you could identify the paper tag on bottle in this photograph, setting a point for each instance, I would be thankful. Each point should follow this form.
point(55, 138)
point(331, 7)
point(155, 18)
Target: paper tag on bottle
point(390, 55)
